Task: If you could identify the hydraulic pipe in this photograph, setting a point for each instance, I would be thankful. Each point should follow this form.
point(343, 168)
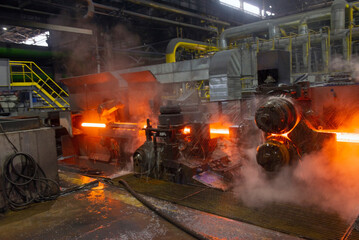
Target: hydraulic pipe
point(186, 43)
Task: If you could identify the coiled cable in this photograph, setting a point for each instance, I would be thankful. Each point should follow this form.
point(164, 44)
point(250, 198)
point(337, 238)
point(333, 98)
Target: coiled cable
point(24, 181)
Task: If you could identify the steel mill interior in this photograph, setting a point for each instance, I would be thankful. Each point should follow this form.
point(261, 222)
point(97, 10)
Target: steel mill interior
point(169, 119)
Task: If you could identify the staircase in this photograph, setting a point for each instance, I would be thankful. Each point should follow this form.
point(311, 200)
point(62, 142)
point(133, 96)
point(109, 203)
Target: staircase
point(27, 75)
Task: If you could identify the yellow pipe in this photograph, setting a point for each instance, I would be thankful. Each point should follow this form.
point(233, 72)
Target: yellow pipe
point(273, 46)
point(307, 50)
point(351, 17)
point(283, 32)
point(327, 43)
point(171, 57)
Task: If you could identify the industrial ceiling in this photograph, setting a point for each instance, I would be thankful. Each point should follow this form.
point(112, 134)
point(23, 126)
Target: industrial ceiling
point(137, 30)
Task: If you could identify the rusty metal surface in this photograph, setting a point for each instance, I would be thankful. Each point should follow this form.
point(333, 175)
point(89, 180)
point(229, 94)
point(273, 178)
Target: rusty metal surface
point(108, 212)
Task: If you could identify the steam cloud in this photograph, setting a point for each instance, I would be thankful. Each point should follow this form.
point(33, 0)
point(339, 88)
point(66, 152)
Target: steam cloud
point(80, 54)
point(327, 179)
point(339, 64)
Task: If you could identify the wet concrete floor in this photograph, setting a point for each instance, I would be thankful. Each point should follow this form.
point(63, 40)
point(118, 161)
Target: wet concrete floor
point(109, 212)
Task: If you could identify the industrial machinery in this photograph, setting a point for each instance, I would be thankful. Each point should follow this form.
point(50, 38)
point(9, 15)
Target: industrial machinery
point(300, 120)
point(287, 134)
point(183, 152)
point(291, 120)
point(106, 116)
point(287, 71)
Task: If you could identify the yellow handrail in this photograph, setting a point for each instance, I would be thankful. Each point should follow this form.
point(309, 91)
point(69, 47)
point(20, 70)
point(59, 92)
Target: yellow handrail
point(51, 87)
point(31, 78)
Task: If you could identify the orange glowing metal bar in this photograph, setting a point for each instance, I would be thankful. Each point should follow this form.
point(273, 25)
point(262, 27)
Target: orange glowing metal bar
point(125, 123)
point(281, 135)
point(343, 136)
point(219, 131)
point(347, 137)
point(186, 130)
point(96, 125)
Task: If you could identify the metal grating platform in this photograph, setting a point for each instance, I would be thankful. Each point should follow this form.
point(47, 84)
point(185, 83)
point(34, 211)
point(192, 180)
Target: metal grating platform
point(310, 223)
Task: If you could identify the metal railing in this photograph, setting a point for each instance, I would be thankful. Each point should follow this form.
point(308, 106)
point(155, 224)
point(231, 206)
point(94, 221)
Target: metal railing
point(27, 73)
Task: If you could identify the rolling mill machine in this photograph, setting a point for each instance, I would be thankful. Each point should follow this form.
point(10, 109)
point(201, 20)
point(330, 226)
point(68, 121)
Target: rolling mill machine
point(265, 87)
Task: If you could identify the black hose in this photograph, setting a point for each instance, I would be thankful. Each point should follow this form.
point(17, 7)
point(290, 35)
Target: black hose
point(24, 182)
point(161, 213)
point(81, 187)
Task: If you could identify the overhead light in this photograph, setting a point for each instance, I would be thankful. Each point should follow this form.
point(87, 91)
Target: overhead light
point(4, 28)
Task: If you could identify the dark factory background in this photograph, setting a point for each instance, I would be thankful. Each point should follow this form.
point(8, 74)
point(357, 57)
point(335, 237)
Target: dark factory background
point(179, 119)
point(124, 33)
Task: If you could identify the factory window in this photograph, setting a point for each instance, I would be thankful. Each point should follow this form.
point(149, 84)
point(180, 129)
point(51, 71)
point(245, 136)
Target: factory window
point(231, 3)
point(247, 7)
point(39, 40)
point(251, 8)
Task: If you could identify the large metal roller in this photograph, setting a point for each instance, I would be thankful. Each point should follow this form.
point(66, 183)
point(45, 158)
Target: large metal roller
point(278, 115)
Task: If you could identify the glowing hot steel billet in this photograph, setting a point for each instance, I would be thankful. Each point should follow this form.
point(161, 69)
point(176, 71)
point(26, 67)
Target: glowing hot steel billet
point(219, 131)
point(186, 130)
point(347, 137)
point(343, 136)
point(95, 125)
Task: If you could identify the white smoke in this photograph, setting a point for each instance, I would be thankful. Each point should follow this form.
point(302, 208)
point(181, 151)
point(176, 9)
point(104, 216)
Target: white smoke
point(327, 179)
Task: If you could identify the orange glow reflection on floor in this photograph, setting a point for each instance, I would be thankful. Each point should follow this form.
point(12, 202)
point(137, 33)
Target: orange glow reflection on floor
point(96, 125)
point(95, 194)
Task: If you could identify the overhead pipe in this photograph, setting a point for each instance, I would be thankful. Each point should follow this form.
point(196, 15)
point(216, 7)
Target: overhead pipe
point(298, 40)
point(97, 5)
point(186, 43)
point(176, 10)
point(322, 38)
point(90, 9)
point(271, 25)
point(337, 21)
point(168, 21)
